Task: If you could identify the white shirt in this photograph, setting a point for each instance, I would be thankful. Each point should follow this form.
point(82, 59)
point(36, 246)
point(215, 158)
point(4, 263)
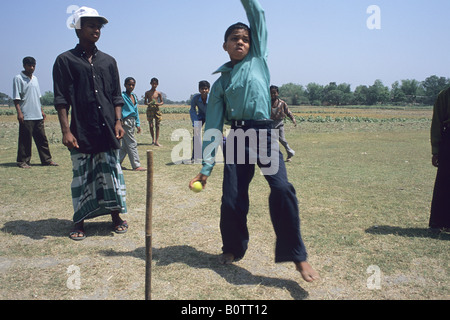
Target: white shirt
point(27, 90)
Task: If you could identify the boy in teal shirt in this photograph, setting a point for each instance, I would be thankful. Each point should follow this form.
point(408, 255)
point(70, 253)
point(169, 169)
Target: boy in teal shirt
point(241, 98)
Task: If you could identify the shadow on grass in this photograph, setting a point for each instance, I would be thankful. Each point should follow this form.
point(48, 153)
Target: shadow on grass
point(201, 260)
point(8, 164)
point(408, 232)
point(40, 229)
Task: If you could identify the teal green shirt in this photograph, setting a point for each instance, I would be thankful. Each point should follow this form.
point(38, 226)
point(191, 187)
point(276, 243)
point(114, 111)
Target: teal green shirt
point(241, 92)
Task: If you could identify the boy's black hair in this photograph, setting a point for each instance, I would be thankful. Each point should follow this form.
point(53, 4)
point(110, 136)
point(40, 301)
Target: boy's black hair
point(129, 79)
point(29, 61)
point(235, 26)
point(274, 87)
point(203, 84)
point(154, 79)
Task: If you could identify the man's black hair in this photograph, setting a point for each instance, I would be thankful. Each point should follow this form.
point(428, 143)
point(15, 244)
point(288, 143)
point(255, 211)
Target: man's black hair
point(129, 79)
point(274, 87)
point(203, 84)
point(235, 26)
point(29, 61)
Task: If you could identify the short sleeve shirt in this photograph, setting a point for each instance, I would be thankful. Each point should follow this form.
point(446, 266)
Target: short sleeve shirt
point(27, 90)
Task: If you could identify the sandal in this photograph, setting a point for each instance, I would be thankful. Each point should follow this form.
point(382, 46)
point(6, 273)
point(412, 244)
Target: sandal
point(77, 235)
point(123, 225)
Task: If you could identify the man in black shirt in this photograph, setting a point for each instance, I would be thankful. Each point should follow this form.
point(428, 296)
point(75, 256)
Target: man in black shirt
point(86, 81)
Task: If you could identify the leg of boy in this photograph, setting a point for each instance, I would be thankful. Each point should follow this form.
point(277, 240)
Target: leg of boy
point(25, 143)
point(41, 141)
point(234, 209)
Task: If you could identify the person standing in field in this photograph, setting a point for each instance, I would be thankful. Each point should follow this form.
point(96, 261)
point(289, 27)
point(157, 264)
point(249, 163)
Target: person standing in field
point(86, 82)
point(241, 98)
point(31, 117)
point(130, 116)
point(153, 99)
point(440, 148)
point(279, 111)
point(197, 113)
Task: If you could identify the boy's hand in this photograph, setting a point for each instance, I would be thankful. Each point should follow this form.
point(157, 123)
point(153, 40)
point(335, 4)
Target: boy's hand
point(138, 129)
point(200, 177)
point(119, 130)
point(70, 141)
point(20, 117)
point(435, 160)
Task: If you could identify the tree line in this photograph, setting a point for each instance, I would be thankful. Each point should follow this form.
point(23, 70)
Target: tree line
point(48, 97)
point(410, 92)
point(404, 92)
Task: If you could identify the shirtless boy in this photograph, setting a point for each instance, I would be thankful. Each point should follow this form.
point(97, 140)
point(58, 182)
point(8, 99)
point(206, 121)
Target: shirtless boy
point(154, 99)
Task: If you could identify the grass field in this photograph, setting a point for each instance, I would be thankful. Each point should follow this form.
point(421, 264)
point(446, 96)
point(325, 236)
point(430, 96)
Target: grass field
point(364, 188)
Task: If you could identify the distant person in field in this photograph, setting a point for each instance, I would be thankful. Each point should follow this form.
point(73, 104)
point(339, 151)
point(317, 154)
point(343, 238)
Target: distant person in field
point(31, 117)
point(197, 113)
point(131, 122)
point(241, 97)
point(440, 148)
point(153, 99)
point(86, 83)
point(279, 111)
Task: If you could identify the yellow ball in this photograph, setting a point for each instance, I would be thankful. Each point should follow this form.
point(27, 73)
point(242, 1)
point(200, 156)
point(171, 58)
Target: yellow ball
point(197, 186)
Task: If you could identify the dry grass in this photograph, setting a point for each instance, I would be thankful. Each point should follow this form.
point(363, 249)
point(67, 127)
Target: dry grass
point(364, 191)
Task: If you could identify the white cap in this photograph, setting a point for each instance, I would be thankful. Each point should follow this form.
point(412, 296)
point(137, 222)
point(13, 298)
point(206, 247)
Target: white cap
point(85, 12)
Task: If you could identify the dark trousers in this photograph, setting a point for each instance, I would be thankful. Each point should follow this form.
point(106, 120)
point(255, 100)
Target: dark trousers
point(28, 130)
point(283, 206)
point(440, 205)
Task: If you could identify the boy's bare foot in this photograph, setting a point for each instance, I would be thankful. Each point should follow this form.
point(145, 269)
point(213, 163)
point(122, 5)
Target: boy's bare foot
point(226, 258)
point(307, 272)
point(157, 144)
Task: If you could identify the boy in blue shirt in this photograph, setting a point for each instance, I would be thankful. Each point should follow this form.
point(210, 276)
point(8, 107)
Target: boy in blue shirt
point(241, 98)
point(130, 122)
point(197, 112)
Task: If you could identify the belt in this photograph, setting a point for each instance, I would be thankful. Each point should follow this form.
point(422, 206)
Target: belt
point(264, 123)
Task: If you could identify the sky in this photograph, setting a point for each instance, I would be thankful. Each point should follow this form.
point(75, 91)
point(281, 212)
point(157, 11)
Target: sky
point(180, 41)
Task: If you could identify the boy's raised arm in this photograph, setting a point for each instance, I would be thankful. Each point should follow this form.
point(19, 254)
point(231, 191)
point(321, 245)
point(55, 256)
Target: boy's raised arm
point(257, 19)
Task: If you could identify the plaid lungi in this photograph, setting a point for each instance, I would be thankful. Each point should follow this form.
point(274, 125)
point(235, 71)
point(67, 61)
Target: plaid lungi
point(98, 186)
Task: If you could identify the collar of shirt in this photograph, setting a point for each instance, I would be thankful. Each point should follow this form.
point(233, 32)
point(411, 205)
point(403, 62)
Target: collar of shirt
point(200, 100)
point(26, 78)
point(79, 51)
point(227, 67)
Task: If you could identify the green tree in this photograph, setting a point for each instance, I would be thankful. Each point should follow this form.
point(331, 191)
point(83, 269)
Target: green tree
point(377, 93)
point(397, 94)
point(314, 93)
point(432, 86)
point(5, 99)
point(48, 98)
point(334, 97)
point(410, 88)
point(360, 95)
point(293, 94)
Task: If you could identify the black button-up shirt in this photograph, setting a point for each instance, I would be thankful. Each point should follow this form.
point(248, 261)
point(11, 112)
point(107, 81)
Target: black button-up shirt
point(93, 91)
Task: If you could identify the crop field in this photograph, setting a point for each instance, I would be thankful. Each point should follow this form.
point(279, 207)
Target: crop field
point(363, 178)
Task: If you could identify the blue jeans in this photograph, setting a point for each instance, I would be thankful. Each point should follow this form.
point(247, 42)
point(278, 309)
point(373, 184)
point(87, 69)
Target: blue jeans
point(283, 206)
